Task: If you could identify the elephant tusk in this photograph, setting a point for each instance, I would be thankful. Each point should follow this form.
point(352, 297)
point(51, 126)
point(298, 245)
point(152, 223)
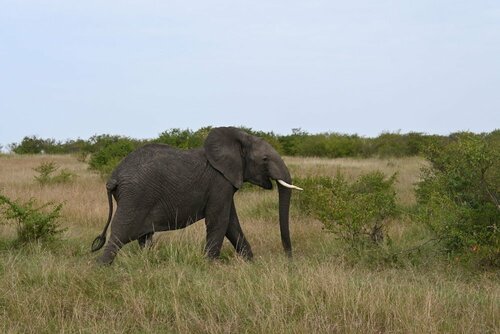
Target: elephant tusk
point(291, 186)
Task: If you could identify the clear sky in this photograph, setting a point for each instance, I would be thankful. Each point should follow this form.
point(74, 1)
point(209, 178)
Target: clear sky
point(72, 69)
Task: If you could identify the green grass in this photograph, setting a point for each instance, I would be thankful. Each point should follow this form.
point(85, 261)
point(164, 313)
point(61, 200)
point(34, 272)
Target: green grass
point(172, 288)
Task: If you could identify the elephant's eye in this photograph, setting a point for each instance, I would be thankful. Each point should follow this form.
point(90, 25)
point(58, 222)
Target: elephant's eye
point(265, 159)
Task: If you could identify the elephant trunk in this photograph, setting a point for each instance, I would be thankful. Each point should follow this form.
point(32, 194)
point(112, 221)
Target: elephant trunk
point(280, 173)
point(284, 207)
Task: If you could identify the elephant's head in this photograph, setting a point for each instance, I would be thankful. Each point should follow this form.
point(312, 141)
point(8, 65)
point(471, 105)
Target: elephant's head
point(242, 157)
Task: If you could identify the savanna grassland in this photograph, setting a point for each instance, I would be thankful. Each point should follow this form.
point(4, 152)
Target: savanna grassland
point(172, 288)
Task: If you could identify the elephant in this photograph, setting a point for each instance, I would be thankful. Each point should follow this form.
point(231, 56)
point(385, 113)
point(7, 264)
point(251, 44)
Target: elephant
point(159, 188)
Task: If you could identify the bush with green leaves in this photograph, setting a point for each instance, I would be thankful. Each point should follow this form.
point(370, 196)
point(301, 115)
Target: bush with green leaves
point(111, 153)
point(330, 145)
point(355, 211)
point(46, 174)
point(458, 197)
point(32, 145)
point(34, 222)
point(183, 139)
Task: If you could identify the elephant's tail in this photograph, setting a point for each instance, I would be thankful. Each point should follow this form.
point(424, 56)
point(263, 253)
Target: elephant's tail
point(101, 239)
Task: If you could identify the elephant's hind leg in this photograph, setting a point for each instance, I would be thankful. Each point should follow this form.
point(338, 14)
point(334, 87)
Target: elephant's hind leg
point(112, 248)
point(124, 228)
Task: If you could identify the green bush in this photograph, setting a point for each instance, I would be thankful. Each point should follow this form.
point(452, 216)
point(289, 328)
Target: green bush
point(356, 211)
point(183, 139)
point(111, 153)
point(290, 144)
point(31, 145)
point(46, 174)
point(34, 223)
point(458, 197)
point(331, 145)
point(81, 156)
point(35, 145)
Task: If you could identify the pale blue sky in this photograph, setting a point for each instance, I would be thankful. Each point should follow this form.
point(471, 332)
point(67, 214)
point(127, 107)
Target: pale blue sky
point(72, 69)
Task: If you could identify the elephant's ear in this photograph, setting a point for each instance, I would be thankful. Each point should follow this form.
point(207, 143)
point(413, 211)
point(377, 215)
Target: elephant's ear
point(224, 147)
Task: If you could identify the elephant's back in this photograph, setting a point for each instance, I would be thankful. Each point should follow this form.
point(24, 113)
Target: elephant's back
point(158, 162)
point(145, 155)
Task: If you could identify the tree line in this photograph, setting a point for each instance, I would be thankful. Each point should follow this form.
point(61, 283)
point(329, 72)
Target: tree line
point(299, 143)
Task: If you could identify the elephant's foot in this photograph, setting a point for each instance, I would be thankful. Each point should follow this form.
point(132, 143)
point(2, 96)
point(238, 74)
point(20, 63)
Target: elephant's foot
point(104, 261)
point(212, 254)
point(246, 254)
point(146, 241)
point(112, 248)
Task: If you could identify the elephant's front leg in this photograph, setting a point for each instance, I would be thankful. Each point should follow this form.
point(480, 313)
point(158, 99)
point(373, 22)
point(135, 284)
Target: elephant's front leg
point(236, 236)
point(217, 221)
point(146, 240)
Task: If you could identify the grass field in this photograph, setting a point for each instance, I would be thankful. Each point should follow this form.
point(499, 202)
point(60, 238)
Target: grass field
point(172, 288)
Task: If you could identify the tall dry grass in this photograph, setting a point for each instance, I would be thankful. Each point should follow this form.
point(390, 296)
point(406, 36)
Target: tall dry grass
point(172, 288)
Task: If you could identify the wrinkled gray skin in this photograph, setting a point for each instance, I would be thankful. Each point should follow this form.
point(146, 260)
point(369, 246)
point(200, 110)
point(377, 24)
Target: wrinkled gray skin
point(160, 188)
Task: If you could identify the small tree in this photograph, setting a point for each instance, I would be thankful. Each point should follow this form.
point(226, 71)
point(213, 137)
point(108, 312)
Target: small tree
point(46, 175)
point(354, 211)
point(458, 197)
point(176, 138)
point(34, 222)
point(109, 156)
point(35, 145)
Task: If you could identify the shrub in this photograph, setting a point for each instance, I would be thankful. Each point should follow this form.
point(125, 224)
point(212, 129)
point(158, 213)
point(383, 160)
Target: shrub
point(81, 156)
point(34, 223)
point(29, 145)
point(458, 196)
point(290, 144)
point(46, 171)
point(354, 211)
point(331, 145)
point(111, 153)
point(183, 139)
point(176, 138)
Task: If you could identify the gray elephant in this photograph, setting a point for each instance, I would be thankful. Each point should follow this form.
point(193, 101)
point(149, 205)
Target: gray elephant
point(161, 188)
